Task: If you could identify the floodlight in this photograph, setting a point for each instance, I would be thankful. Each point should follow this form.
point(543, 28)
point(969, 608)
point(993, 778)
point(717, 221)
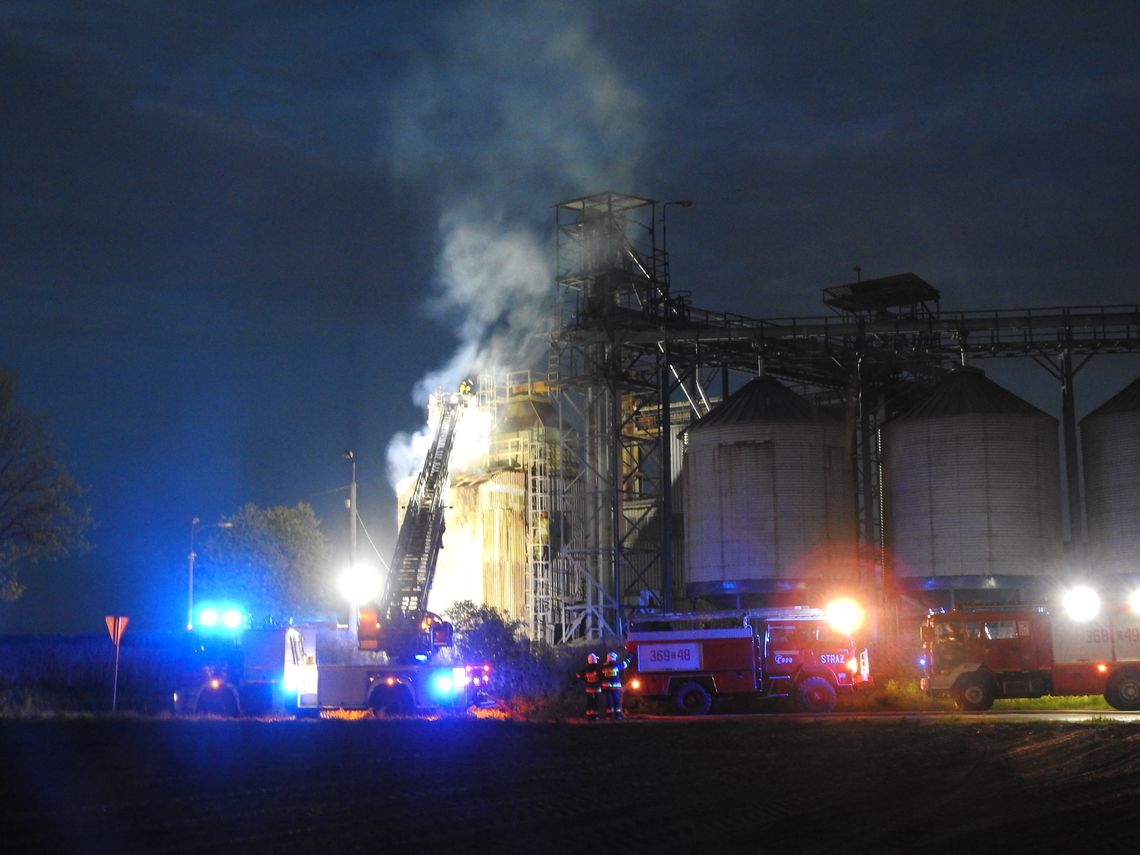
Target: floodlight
point(1081, 603)
point(845, 615)
point(359, 584)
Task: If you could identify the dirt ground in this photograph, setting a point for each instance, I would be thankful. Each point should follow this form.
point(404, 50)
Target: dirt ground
point(826, 784)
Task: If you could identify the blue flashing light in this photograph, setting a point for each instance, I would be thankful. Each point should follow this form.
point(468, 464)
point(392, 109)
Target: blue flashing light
point(222, 618)
point(921, 661)
point(443, 683)
point(421, 657)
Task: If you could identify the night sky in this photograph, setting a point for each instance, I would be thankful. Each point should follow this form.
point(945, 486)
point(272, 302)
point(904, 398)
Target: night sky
point(240, 238)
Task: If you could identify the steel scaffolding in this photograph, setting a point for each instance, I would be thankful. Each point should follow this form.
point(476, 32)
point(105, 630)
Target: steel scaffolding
point(627, 351)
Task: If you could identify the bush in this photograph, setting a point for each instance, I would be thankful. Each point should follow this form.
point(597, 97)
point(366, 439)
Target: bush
point(532, 679)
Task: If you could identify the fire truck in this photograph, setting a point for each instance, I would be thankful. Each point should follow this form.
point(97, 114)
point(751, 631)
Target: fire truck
point(397, 636)
point(976, 654)
point(693, 659)
point(233, 671)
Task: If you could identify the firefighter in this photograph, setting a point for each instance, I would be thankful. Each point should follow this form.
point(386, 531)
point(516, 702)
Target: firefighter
point(591, 676)
point(611, 683)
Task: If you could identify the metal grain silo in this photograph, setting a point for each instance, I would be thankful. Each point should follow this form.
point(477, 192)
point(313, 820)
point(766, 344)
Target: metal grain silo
point(971, 488)
point(769, 496)
point(1110, 445)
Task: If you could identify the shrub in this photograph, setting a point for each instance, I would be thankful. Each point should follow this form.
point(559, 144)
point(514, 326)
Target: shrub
point(532, 678)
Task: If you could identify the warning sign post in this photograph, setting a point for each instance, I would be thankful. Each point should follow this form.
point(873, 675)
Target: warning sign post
point(116, 625)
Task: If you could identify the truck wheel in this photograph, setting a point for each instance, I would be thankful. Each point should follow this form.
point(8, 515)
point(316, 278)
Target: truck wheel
point(1124, 691)
point(692, 699)
point(219, 702)
point(392, 702)
point(974, 693)
point(815, 695)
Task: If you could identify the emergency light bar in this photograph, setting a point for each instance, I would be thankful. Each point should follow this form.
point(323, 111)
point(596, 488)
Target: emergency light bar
point(222, 618)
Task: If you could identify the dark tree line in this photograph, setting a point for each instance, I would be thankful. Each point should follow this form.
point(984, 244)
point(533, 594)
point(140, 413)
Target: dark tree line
point(42, 515)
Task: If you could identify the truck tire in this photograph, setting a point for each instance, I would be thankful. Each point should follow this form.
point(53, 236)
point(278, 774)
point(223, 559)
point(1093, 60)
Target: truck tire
point(395, 701)
point(1123, 691)
point(691, 698)
point(815, 694)
point(974, 693)
point(222, 702)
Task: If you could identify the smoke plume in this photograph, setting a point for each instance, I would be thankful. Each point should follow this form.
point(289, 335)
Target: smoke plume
point(555, 114)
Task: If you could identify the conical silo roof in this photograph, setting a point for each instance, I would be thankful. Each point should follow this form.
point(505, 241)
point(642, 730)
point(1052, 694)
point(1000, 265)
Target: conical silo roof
point(967, 391)
point(1127, 400)
point(760, 400)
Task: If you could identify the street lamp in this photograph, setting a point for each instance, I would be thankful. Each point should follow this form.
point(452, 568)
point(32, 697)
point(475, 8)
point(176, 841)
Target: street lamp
point(353, 616)
point(195, 527)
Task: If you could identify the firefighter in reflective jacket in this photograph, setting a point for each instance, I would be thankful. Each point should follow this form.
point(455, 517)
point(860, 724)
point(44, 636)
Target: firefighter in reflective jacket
point(611, 683)
point(591, 676)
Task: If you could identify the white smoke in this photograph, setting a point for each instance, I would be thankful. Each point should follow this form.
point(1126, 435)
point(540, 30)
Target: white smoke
point(407, 451)
point(498, 284)
point(483, 128)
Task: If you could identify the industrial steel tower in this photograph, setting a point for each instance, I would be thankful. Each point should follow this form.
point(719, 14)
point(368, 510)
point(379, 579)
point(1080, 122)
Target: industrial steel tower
point(633, 362)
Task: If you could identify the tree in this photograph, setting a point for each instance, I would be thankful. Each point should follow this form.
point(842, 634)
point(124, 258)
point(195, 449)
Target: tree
point(275, 560)
point(42, 517)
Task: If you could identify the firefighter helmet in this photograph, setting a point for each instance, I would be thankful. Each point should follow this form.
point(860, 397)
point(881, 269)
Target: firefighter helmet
point(611, 656)
point(592, 658)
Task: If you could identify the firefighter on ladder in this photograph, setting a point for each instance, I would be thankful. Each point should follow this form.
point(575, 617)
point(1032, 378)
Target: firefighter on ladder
point(611, 683)
point(591, 676)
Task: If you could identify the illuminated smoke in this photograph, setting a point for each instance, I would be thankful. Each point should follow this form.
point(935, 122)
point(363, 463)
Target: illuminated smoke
point(560, 107)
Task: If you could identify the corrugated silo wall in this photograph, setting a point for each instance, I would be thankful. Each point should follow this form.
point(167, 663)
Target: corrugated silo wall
point(1111, 450)
point(972, 494)
point(766, 501)
point(502, 505)
point(483, 558)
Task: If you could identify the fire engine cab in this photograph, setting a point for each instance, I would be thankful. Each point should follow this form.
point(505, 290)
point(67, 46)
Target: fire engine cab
point(979, 653)
point(692, 659)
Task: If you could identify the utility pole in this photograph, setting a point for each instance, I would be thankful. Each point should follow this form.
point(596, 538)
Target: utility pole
point(353, 615)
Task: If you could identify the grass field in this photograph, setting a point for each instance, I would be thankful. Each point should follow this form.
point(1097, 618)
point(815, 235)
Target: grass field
point(127, 784)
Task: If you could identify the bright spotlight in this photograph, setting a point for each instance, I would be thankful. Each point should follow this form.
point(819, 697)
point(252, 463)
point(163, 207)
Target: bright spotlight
point(845, 615)
point(360, 584)
point(1134, 601)
point(1081, 603)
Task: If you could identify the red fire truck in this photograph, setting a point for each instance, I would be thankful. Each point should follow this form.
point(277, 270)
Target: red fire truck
point(979, 653)
point(693, 659)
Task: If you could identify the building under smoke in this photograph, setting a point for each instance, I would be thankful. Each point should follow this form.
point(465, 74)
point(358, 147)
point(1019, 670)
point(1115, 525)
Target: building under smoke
point(847, 450)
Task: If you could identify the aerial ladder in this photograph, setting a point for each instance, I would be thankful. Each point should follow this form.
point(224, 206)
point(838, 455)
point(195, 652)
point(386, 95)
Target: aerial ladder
point(399, 623)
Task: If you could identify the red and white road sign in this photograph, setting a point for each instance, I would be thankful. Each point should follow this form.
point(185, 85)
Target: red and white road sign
point(117, 626)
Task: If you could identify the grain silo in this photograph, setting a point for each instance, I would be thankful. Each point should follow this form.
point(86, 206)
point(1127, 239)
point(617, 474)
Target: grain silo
point(971, 488)
point(768, 500)
point(496, 544)
point(1110, 445)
